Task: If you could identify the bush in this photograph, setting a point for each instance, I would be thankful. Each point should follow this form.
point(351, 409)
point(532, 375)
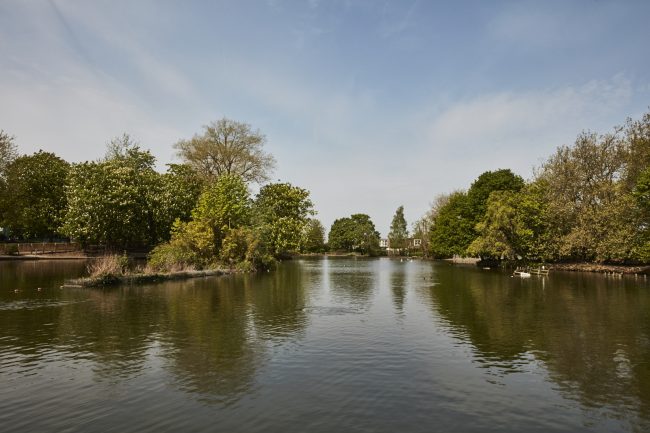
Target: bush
point(172, 257)
point(241, 248)
point(191, 247)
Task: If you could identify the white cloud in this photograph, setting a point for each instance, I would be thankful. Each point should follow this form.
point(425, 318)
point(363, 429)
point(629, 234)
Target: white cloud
point(521, 121)
point(75, 115)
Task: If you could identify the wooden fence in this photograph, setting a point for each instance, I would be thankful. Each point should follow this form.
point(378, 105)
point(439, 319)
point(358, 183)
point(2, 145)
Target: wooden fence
point(40, 248)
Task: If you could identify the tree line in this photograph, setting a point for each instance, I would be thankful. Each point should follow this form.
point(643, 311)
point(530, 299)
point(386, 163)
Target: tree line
point(194, 214)
point(587, 202)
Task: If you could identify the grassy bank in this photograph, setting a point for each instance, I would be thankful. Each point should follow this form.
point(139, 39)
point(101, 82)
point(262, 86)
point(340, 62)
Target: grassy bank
point(114, 270)
point(141, 278)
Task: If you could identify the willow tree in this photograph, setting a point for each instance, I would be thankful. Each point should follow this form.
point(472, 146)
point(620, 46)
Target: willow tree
point(227, 147)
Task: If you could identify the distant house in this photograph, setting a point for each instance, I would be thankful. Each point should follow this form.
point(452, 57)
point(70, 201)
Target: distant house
point(411, 244)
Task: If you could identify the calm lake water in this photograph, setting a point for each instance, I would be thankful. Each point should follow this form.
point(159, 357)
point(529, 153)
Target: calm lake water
point(325, 345)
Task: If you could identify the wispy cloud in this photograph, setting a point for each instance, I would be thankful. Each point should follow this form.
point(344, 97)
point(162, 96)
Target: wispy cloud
point(153, 70)
point(519, 128)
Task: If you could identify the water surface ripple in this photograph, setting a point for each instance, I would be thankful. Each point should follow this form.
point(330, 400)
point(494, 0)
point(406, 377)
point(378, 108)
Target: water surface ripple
point(323, 345)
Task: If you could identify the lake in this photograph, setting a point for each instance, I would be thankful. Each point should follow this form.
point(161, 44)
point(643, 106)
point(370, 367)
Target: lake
point(325, 345)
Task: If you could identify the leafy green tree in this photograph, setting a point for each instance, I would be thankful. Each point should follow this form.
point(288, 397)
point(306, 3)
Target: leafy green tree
point(636, 142)
point(398, 230)
point(366, 236)
point(228, 147)
point(342, 235)
point(453, 227)
point(454, 224)
point(586, 199)
point(281, 213)
point(8, 152)
point(642, 195)
point(33, 198)
point(223, 206)
point(115, 201)
point(314, 237)
point(356, 233)
point(180, 191)
point(515, 226)
point(485, 184)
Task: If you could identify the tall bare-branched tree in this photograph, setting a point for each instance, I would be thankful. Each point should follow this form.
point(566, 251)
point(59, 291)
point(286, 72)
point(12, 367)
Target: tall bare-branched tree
point(228, 147)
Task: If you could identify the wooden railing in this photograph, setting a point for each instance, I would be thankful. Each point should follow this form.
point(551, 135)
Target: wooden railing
point(39, 248)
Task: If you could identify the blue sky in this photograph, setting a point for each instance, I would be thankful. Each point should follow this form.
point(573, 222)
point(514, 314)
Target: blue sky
point(368, 104)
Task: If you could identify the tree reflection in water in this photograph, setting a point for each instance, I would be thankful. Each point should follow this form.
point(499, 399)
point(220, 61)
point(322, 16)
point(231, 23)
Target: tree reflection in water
point(591, 332)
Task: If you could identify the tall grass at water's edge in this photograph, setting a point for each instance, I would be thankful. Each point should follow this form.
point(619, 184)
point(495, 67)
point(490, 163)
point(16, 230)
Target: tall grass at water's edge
point(114, 269)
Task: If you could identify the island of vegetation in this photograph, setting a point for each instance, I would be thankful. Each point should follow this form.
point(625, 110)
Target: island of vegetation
point(586, 207)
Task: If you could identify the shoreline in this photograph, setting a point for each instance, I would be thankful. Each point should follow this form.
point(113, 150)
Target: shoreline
point(144, 278)
point(600, 268)
point(115, 280)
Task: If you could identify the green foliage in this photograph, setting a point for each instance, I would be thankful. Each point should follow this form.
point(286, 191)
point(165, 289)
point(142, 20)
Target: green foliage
point(220, 227)
point(454, 222)
point(342, 235)
point(398, 230)
point(33, 197)
point(453, 227)
point(242, 248)
point(636, 143)
point(642, 194)
point(313, 237)
point(281, 212)
point(585, 196)
point(191, 246)
point(8, 152)
point(354, 234)
point(116, 201)
point(122, 202)
point(181, 188)
point(223, 206)
point(227, 147)
point(590, 202)
point(486, 184)
point(515, 226)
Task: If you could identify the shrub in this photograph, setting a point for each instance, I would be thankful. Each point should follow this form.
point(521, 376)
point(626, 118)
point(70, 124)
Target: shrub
point(172, 257)
point(241, 248)
point(191, 246)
